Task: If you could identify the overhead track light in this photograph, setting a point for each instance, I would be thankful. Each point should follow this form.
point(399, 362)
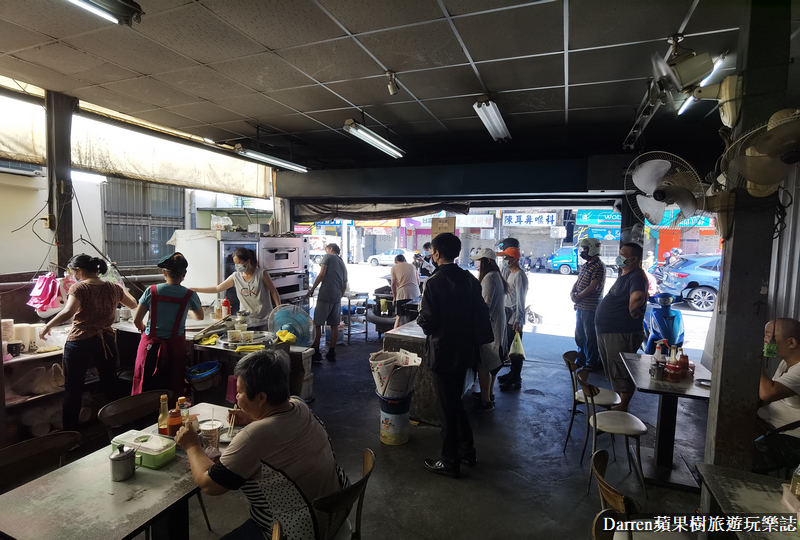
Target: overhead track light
point(370, 137)
point(269, 159)
point(120, 12)
point(492, 119)
point(393, 90)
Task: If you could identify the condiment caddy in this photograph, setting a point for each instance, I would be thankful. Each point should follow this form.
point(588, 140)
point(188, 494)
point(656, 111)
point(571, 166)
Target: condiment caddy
point(674, 368)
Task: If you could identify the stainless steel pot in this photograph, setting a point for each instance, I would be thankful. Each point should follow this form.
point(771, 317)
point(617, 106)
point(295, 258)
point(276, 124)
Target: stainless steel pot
point(123, 463)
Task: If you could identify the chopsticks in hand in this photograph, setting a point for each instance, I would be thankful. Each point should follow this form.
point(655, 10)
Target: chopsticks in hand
point(232, 422)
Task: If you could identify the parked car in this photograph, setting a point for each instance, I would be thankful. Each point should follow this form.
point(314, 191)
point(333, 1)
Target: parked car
point(565, 260)
point(387, 257)
point(696, 278)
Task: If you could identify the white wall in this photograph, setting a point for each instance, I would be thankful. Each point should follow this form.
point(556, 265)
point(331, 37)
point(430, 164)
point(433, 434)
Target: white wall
point(20, 198)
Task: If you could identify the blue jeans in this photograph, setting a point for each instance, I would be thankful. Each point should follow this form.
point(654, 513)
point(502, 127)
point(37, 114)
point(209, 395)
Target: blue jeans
point(586, 340)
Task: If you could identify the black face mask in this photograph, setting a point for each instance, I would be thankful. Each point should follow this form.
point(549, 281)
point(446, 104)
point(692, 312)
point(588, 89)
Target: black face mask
point(585, 256)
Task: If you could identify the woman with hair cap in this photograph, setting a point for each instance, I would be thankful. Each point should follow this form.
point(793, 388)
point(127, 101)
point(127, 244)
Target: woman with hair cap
point(161, 357)
point(91, 341)
point(254, 287)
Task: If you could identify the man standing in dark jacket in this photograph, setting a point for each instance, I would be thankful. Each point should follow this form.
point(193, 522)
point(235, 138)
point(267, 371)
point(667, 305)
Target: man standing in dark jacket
point(455, 320)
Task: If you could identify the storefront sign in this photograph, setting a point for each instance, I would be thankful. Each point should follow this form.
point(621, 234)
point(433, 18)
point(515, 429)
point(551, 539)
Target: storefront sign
point(529, 220)
point(379, 223)
point(378, 231)
point(333, 223)
point(422, 221)
point(598, 217)
point(302, 229)
point(482, 221)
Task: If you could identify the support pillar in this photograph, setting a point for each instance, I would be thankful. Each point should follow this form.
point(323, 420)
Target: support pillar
point(742, 309)
point(59, 164)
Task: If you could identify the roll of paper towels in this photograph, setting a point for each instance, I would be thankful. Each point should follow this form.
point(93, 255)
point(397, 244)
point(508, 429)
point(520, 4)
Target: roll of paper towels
point(22, 332)
point(7, 329)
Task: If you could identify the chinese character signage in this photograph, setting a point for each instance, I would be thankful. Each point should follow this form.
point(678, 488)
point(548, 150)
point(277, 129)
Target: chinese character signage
point(422, 222)
point(476, 221)
point(529, 220)
point(598, 217)
point(379, 223)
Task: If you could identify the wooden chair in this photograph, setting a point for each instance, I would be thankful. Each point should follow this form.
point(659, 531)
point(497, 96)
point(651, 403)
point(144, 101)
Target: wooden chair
point(17, 460)
point(338, 505)
point(132, 408)
point(277, 533)
point(619, 506)
point(614, 422)
point(606, 398)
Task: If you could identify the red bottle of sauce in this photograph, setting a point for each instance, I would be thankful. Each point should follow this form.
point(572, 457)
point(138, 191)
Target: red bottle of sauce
point(174, 422)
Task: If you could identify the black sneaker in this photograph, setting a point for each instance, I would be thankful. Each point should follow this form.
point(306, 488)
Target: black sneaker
point(481, 406)
point(331, 355)
point(477, 395)
point(453, 470)
point(316, 357)
point(504, 378)
point(515, 384)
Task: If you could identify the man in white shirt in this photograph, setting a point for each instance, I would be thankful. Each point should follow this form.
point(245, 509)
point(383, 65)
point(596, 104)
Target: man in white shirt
point(780, 400)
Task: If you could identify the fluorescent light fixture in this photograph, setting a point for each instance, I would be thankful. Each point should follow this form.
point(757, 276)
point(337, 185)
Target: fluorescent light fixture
point(96, 10)
point(686, 105)
point(717, 65)
point(492, 119)
point(370, 137)
point(79, 176)
point(209, 141)
point(269, 159)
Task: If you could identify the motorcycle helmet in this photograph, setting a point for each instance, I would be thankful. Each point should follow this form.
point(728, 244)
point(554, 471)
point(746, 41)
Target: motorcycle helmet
point(667, 254)
point(677, 252)
point(592, 243)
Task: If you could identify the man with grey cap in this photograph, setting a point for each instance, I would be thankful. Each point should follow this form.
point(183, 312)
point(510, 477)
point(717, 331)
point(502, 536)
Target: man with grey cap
point(586, 295)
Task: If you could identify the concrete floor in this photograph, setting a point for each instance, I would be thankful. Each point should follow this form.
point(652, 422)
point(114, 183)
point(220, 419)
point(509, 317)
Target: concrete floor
point(523, 485)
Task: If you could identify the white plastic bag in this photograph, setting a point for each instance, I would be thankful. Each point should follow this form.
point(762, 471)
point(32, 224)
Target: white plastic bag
point(220, 223)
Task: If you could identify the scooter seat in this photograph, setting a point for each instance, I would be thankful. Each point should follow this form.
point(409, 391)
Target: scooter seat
point(606, 398)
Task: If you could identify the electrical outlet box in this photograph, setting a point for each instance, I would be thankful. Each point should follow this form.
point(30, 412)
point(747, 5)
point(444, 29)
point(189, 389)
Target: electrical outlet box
point(47, 221)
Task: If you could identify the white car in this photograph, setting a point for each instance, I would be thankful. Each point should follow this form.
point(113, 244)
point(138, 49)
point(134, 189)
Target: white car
point(387, 257)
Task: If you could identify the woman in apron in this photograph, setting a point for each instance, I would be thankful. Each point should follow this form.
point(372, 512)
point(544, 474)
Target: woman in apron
point(254, 288)
point(161, 358)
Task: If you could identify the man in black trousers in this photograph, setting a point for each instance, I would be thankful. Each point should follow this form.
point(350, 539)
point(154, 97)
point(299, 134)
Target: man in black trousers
point(455, 320)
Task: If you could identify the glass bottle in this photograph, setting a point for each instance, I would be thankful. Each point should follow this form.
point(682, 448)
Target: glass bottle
point(217, 309)
point(163, 415)
point(795, 487)
point(183, 409)
point(173, 422)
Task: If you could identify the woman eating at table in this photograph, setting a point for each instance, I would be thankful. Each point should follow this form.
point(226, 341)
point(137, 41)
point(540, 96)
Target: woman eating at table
point(161, 357)
point(91, 341)
point(253, 285)
point(281, 460)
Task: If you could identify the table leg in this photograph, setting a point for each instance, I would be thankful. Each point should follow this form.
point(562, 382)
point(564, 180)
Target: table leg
point(665, 430)
point(173, 524)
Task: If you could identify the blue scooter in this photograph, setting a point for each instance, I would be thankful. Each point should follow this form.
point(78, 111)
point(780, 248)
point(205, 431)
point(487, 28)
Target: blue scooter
point(663, 322)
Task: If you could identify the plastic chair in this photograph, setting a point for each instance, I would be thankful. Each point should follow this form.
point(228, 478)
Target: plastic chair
point(19, 459)
point(338, 505)
point(614, 423)
point(131, 408)
point(614, 503)
point(606, 398)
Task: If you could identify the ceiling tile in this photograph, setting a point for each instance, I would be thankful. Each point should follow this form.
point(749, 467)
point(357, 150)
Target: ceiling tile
point(239, 126)
point(535, 72)
point(605, 115)
point(418, 128)
point(416, 47)
point(206, 112)
point(465, 125)
point(254, 106)
point(530, 100)
point(607, 95)
point(151, 7)
point(70, 61)
point(460, 7)
point(292, 123)
point(368, 92)
point(166, 118)
point(151, 91)
point(525, 122)
point(128, 48)
point(335, 119)
point(277, 23)
point(264, 72)
point(196, 33)
point(203, 82)
point(459, 107)
point(398, 112)
point(333, 61)
point(613, 63)
point(39, 76)
point(717, 14)
point(366, 16)
point(530, 30)
point(311, 98)
point(623, 21)
point(97, 95)
point(211, 132)
point(54, 18)
point(13, 37)
point(452, 81)
point(326, 136)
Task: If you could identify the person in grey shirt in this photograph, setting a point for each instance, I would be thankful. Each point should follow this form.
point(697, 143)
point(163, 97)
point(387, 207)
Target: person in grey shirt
point(515, 314)
point(333, 279)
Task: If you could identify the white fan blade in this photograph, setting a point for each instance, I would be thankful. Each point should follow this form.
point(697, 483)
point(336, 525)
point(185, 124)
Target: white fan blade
point(648, 175)
point(652, 210)
point(761, 170)
point(682, 197)
point(780, 140)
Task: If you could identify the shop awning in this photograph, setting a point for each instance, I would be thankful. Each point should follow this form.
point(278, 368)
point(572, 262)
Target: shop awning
point(371, 212)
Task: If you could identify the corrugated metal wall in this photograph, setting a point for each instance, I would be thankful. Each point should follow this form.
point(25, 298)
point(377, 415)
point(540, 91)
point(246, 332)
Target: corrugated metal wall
point(786, 256)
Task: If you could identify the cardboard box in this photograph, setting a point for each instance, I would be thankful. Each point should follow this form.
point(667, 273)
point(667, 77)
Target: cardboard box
point(443, 225)
point(300, 358)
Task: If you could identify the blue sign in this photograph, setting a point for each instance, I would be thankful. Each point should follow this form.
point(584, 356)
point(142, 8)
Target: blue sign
point(332, 223)
point(598, 217)
point(604, 234)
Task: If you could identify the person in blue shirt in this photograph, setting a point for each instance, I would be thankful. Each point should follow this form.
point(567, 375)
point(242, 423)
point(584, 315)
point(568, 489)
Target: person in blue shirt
point(161, 358)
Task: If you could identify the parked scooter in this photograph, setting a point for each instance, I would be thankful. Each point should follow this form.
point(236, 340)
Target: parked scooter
point(663, 322)
point(526, 264)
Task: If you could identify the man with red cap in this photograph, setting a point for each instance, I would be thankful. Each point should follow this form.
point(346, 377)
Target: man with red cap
point(515, 313)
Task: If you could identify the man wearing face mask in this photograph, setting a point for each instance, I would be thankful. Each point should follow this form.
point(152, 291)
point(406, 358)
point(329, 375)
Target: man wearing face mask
point(618, 321)
point(515, 314)
point(427, 265)
point(586, 295)
point(502, 262)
